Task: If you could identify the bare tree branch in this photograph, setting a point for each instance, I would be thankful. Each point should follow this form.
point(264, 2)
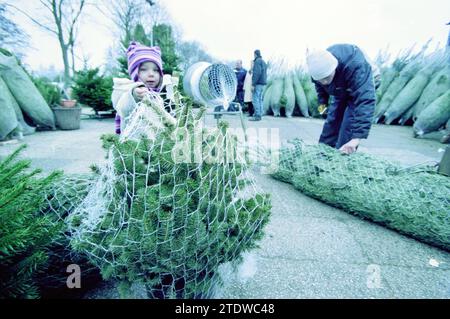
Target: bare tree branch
point(46, 4)
point(33, 19)
point(74, 21)
point(65, 17)
point(59, 10)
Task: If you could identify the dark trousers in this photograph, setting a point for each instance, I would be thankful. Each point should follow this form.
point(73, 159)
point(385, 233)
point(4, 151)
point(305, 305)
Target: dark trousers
point(249, 108)
point(239, 97)
point(337, 130)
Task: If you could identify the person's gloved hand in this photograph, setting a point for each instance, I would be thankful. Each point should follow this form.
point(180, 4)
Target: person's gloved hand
point(350, 147)
point(322, 108)
point(139, 93)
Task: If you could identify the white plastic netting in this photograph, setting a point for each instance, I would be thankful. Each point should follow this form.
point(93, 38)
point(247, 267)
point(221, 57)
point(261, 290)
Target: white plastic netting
point(413, 200)
point(173, 202)
point(65, 196)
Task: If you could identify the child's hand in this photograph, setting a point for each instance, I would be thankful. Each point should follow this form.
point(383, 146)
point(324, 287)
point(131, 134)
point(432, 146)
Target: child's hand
point(139, 93)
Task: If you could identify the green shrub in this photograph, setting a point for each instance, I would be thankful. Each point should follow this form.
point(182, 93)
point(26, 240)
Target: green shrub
point(50, 92)
point(93, 90)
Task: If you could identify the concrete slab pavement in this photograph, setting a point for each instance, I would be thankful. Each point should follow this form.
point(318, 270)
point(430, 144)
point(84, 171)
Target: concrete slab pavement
point(311, 250)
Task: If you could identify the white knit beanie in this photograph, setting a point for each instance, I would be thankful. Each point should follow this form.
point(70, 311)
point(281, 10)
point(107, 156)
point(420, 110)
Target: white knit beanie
point(321, 63)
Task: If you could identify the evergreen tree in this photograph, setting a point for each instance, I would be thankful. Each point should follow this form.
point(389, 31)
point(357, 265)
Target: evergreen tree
point(93, 90)
point(163, 37)
point(25, 234)
point(170, 224)
point(62, 199)
point(140, 36)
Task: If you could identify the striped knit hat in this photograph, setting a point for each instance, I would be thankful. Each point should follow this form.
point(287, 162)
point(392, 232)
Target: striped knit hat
point(138, 54)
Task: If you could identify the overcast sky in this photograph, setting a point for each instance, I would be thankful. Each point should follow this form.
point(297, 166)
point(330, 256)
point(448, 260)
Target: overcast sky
point(232, 29)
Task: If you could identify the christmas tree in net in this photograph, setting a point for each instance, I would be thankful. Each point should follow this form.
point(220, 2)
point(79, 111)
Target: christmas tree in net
point(173, 202)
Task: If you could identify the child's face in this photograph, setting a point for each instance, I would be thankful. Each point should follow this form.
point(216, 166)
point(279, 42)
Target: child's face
point(149, 74)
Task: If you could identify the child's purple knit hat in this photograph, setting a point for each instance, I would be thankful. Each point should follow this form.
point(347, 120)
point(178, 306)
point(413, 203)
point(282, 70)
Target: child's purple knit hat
point(138, 54)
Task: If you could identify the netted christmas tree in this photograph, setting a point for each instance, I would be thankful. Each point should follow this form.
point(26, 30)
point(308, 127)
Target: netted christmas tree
point(26, 236)
point(413, 200)
point(60, 200)
point(173, 202)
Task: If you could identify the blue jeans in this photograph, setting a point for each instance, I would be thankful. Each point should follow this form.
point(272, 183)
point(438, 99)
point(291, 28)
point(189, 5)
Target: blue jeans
point(257, 100)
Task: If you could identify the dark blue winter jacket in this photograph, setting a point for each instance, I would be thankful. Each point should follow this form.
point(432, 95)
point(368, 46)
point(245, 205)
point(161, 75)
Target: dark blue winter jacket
point(259, 75)
point(352, 88)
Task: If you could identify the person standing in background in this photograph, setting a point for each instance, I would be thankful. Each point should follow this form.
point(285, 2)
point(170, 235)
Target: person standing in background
point(259, 80)
point(240, 76)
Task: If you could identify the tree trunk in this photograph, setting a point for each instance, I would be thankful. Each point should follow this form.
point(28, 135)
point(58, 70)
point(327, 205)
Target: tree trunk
point(73, 59)
point(65, 57)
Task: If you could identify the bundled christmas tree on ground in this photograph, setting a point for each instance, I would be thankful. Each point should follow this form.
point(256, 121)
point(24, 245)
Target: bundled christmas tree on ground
point(412, 200)
point(165, 219)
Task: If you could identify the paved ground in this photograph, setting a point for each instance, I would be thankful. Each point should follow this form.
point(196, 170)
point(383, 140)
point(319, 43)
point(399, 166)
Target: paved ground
point(310, 250)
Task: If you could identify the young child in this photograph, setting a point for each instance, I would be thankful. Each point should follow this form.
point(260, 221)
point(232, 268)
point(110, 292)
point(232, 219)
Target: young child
point(146, 73)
